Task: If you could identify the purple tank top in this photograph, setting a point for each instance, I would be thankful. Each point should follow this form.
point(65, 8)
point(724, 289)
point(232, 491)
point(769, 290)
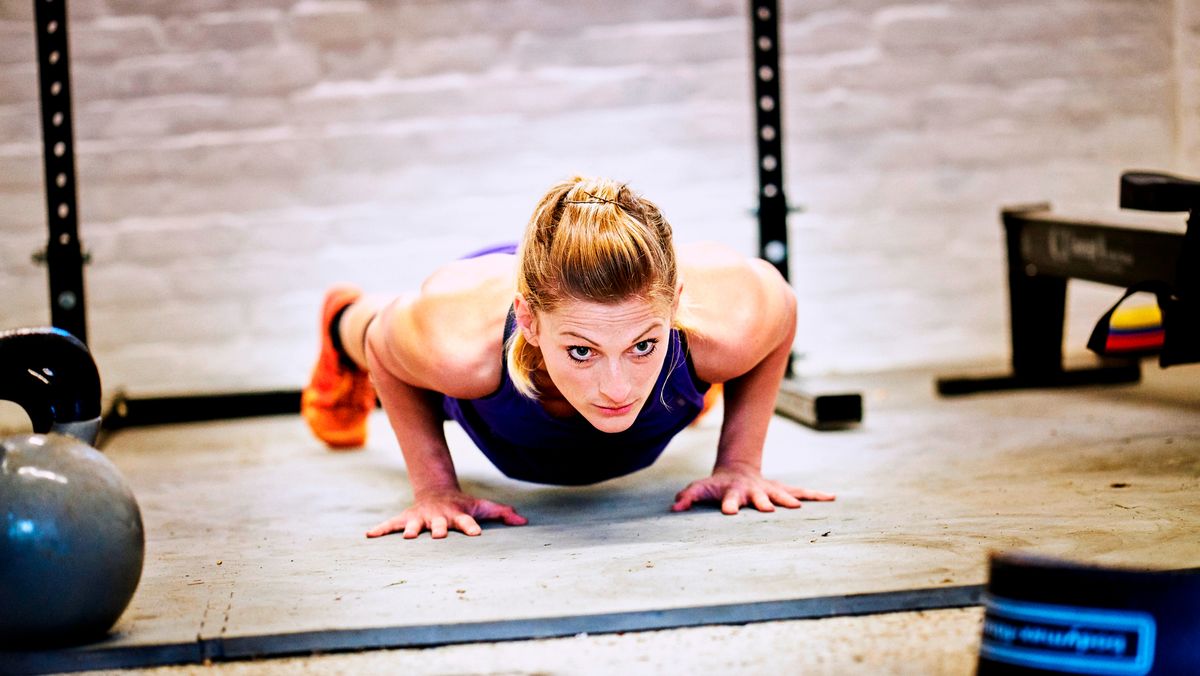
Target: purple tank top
point(527, 443)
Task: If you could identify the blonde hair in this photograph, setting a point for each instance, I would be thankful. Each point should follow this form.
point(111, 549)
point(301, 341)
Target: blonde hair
point(590, 239)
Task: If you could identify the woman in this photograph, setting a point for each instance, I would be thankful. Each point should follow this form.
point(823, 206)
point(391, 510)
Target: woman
point(572, 362)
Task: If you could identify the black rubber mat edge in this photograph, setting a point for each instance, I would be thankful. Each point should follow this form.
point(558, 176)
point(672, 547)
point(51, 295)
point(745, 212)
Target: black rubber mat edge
point(427, 636)
point(133, 412)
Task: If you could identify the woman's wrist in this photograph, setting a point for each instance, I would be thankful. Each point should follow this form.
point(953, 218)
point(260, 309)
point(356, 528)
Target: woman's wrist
point(435, 486)
point(738, 464)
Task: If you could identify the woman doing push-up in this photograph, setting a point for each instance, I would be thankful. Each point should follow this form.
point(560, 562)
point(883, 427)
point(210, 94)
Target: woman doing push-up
point(570, 360)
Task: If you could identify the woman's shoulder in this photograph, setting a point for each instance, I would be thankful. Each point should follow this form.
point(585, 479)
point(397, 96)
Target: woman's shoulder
point(448, 336)
point(734, 308)
point(460, 281)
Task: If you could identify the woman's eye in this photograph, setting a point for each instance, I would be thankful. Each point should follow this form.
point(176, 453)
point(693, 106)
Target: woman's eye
point(644, 348)
point(579, 352)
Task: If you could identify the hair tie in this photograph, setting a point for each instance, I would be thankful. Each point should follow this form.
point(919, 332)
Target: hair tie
point(595, 199)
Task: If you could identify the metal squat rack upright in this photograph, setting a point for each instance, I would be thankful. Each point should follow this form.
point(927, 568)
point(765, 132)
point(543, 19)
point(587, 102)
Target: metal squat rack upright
point(63, 254)
point(820, 411)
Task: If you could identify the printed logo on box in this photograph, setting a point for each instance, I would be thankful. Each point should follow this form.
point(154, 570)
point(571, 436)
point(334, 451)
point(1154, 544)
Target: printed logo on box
point(1067, 638)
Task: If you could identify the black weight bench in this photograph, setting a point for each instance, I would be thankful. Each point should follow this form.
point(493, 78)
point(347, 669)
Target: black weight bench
point(1046, 249)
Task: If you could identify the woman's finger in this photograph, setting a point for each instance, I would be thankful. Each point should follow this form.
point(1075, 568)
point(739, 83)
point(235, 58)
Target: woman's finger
point(784, 499)
point(732, 502)
point(805, 494)
point(389, 526)
point(486, 509)
point(438, 527)
point(683, 500)
point(511, 518)
point(467, 525)
point(413, 528)
point(762, 501)
point(690, 495)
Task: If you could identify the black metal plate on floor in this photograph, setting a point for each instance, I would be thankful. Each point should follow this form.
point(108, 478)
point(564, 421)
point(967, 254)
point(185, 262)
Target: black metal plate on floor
point(426, 636)
point(954, 386)
point(820, 411)
point(131, 412)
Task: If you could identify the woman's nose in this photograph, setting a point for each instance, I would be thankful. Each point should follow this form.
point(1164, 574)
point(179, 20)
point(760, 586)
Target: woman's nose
point(615, 385)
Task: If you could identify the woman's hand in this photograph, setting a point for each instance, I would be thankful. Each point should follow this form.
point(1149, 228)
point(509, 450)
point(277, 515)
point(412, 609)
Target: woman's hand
point(443, 510)
point(738, 485)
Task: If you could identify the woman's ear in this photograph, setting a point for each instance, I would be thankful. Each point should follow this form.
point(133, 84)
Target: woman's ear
point(526, 321)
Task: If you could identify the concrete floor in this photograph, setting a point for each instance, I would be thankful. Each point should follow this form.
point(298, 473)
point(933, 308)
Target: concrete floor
point(255, 529)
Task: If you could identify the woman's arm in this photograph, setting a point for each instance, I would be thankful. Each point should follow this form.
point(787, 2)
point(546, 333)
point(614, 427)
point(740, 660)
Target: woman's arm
point(438, 501)
point(419, 348)
point(750, 397)
point(744, 314)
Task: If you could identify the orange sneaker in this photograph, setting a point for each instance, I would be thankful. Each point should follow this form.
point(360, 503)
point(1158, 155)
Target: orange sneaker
point(340, 397)
point(711, 397)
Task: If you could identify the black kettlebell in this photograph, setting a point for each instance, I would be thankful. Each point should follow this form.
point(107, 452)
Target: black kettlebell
point(71, 542)
point(71, 537)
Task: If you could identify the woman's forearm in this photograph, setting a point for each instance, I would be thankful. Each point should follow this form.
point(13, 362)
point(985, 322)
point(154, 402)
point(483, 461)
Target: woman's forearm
point(415, 415)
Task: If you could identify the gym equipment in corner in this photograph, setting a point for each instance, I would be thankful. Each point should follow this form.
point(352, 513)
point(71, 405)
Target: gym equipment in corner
point(1046, 249)
point(72, 545)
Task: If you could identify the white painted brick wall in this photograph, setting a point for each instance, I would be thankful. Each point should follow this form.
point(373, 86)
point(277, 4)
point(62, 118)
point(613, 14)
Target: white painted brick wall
point(1187, 60)
point(235, 158)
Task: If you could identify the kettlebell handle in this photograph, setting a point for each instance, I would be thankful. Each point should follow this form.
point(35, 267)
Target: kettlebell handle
point(51, 374)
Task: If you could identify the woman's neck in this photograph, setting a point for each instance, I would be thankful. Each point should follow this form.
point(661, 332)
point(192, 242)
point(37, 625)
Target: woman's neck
point(549, 396)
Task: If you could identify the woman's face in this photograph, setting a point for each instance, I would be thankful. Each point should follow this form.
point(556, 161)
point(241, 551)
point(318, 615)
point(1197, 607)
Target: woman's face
point(603, 358)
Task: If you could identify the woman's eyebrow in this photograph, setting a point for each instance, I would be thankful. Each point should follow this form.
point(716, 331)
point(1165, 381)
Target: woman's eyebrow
point(580, 336)
point(653, 325)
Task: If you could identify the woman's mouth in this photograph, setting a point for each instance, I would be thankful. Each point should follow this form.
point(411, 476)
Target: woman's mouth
point(616, 410)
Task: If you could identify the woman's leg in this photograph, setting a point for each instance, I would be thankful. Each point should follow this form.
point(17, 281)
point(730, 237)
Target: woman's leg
point(340, 397)
point(351, 328)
